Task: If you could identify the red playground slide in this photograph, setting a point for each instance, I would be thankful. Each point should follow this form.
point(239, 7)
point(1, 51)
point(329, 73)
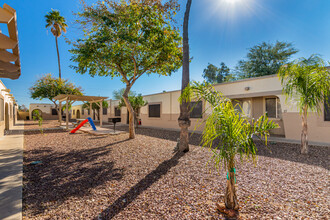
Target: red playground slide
point(79, 126)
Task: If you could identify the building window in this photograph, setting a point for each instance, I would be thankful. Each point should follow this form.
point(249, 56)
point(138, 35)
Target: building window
point(154, 111)
point(2, 107)
point(74, 112)
point(196, 109)
point(54, 112)
point(105, 111)
point(327, 110)
point(82, 111)
point(117, 111)
point(273, 108)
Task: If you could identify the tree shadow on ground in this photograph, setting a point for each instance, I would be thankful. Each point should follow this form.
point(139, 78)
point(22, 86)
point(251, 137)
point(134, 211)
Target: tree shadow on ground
point(62, 175)
point(317, 156)
point(123, 201)
point(194, 138)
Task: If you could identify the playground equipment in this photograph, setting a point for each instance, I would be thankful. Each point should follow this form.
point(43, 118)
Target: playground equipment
point(82, 123)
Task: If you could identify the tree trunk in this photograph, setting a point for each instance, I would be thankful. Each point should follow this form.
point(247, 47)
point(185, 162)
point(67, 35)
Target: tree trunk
point(135, 120)
point(131, 112)
point(304, 140)
point(230, 195)
point(58, 58)
point(184, 121)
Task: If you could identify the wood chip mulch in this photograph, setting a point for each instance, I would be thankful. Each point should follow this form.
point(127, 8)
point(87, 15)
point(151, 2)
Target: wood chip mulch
point(86, 177)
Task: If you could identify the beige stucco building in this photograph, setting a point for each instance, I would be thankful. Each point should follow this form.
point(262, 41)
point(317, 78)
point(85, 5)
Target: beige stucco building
point(256, 96)
point(8, 109)
point(47, 111)
point(10, 66)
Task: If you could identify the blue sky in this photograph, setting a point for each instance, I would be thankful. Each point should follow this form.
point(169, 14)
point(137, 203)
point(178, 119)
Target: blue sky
point(219, 31)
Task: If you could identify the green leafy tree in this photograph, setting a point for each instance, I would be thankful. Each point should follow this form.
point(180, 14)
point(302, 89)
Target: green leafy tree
point(36, 115)
point(96, 107)
point(213, 74)
point(228, 133)
point(265, 59)
point(47, 87)
point(127, 39)
point(307, 81)
point(136, 101)
point(184, 117)
point(58, 25)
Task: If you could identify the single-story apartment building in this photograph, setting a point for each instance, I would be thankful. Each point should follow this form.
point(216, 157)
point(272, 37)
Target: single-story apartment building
point(256, 96)
point(47, 111)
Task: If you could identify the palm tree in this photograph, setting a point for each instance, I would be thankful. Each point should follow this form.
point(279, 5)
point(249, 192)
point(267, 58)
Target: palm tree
point(57, 24)
point(308, 82)
point(96, 107)
point(184, 121)
point(228, 133)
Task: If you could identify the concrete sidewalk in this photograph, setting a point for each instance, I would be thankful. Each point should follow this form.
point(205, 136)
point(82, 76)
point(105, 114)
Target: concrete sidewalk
point(11, 173)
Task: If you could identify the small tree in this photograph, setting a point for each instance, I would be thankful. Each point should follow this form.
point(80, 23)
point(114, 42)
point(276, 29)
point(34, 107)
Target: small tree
point(57, 24)
point(96, 107)
point(128, 39)
point(47, 87)
point(136, 101)
point(307, 81)
point(36, 115)
point(228, 133)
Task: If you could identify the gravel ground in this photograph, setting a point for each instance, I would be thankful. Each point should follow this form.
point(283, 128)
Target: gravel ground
point(45, 124)
point(88, 177)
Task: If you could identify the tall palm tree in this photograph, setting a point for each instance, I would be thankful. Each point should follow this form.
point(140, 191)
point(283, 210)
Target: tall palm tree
point(57, 24)
point(308, 82)
point(184, 121)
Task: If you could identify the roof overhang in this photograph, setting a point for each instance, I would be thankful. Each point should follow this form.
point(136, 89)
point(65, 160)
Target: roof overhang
point(10, 66)
point(82, 98)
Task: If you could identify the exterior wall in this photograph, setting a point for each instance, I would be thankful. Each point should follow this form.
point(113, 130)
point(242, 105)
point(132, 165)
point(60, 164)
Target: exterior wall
point(22, 115)
point(75, 109)
point(46, 110)
point(10, 105)
point(256, 90)
point(318, 129)
point(84, 113)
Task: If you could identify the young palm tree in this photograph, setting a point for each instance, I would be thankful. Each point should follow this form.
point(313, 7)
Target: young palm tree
point(228, 133)
point(57, 24)
point(308, 82)
point(96, 107)
point(184, 121)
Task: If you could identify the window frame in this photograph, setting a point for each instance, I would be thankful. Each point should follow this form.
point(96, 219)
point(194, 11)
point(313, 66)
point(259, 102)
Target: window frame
point(54, 110)
point(277, 100)
point(106, 111)
point(116, 110)
point(192, 105)
point(160, 110)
